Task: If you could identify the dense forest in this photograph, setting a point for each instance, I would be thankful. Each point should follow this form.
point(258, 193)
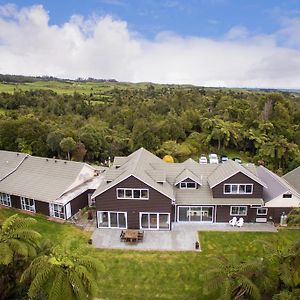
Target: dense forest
point(183, 121)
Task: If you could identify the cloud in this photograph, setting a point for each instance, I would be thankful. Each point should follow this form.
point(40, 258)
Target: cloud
point(103, 47)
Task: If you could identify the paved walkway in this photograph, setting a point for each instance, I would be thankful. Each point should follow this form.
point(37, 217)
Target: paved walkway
point(182, 237)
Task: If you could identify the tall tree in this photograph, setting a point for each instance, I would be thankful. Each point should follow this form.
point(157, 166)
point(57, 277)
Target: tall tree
point(67, 145)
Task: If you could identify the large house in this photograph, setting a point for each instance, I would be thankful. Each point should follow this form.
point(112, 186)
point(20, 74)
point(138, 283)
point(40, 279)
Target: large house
point(142, 191)
point(56, 188)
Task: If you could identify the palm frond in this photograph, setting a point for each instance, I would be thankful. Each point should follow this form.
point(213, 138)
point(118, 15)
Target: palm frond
point(6, 254)
point(250, 288)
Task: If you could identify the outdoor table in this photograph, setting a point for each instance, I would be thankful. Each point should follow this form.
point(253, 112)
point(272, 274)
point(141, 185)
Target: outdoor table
point(131, 235)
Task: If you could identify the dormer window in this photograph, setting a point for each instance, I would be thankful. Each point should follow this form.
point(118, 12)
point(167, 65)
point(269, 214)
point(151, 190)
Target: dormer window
point(287, 196)
point(188, 185)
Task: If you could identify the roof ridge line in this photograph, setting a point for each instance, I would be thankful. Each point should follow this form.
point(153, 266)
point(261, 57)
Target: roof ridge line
point(16, 168)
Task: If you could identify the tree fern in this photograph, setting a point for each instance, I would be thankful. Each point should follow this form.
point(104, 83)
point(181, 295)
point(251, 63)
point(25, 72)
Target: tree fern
point(16, 238)
point(63, 274)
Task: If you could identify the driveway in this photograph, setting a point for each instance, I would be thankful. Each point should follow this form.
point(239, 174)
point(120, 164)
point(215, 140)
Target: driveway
point(182, 237)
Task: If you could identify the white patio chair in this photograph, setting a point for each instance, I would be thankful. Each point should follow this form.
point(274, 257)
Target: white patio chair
point(240, 222)
point(233, 221)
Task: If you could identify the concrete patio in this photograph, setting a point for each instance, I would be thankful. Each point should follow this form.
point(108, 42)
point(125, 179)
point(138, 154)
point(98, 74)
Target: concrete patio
point(182, 237)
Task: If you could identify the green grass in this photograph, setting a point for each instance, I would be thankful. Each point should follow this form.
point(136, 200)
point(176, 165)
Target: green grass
point(154, 274)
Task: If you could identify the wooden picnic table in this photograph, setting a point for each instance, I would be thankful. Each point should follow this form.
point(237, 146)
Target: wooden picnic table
point(131, 235)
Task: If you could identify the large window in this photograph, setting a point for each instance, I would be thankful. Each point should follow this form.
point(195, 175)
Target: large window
point(155, 221)
point(195, 213)
point(5, 199)
point(57, 211)
point(142, 194)
point(238, 210)
point(188, 185)
point(27, 204)
point(238, 188)
point(112, 219)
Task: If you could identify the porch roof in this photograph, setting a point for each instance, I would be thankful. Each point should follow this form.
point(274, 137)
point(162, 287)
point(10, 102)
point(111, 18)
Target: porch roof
point(197, 198)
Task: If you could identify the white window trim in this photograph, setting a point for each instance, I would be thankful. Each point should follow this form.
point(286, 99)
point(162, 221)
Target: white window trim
point(7, 199)
point(157, 220)
point(238, 191)
point(191, 206)
point(262, 214)
point(109, 223)
point(185, 183)
point(238, 213)
point(51, 211)
point(24, 204)
point(132, 191)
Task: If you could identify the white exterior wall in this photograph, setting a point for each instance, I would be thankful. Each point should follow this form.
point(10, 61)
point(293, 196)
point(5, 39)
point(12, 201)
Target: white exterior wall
point(284, 202)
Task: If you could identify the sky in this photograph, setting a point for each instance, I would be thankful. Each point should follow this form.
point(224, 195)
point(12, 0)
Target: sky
point(231, 43)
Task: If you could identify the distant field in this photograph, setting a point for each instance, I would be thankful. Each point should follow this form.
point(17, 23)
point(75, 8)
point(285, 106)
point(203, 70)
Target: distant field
point(71, 87)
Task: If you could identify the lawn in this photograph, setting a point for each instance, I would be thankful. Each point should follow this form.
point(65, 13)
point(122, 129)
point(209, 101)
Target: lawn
point(154, 274)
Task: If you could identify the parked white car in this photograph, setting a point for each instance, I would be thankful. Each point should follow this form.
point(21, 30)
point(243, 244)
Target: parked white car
point(202, 159)
point(213, 158)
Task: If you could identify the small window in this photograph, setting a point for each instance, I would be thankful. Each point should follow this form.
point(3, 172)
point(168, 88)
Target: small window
point(262, 211)
point(249, 188)
point(128, 193)
point(287, 196)
point(227, 188)
point(144, 194)
point(234, 188)
point(238, 210)
point(191, 185)
point(136, 194)
point(120, 193)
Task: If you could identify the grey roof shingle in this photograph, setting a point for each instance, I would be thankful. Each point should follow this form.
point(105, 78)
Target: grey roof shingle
point(227, 170)
point(186, 173)
point(293, 178)
point(45, 179)
point(9, 161)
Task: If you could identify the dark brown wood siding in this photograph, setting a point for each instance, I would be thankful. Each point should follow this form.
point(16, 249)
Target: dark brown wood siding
point(15, 201)
point(79, 202)
point(42, 207)
point(223, 213)
point(218, 190)
point(274, 213)
point(157, 202)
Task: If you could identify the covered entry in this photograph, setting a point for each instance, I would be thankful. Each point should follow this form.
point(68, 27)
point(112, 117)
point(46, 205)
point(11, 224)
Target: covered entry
point(195, 213)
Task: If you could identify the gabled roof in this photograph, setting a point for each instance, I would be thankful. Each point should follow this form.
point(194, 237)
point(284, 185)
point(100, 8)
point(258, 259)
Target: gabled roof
point(276, 185)
point(185, 174)
point(227, 170)
point(139, 165)
point(293, 178)
point(157, 175)
point(9, 162)
point(45, 179)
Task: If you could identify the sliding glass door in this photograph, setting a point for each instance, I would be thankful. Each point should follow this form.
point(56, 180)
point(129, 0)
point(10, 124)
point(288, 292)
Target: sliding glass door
point(154, 221)
point(195, 214)
point(112, 219)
